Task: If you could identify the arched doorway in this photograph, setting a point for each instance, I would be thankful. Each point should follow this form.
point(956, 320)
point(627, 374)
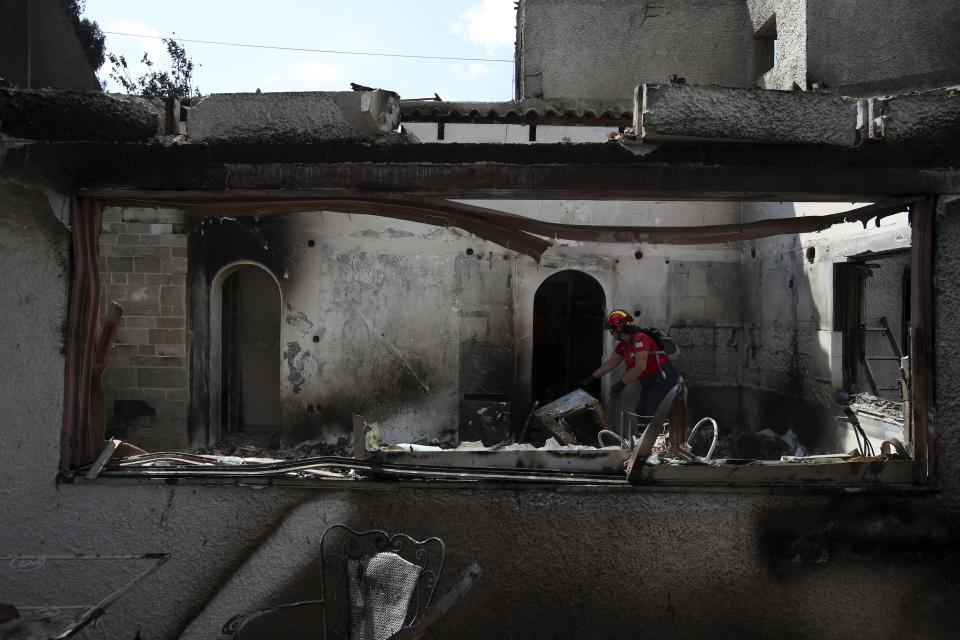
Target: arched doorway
point(568, 313)
point(246, 399)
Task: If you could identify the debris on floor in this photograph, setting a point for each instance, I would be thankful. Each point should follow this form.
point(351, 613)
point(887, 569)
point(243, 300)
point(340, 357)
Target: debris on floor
point(575, 418)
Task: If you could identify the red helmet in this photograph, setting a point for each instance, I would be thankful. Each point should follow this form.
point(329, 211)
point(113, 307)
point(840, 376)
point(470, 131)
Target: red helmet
point(619, 320)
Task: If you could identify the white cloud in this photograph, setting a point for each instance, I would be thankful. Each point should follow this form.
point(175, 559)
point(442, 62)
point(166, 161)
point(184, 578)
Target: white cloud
point(470, 70)
point(491, 23)
point(134, 48)
point(306, 76)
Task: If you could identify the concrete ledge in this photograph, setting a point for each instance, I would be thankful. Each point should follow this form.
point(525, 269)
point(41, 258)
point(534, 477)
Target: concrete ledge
point(49, 114)
point(294, 117)
point(664, 113)
point(916, 119)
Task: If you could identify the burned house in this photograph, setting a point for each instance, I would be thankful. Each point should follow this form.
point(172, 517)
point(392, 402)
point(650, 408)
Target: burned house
point(290, 270)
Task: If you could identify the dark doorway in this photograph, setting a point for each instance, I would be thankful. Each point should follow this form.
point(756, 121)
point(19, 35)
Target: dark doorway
point(568, 313)
point(250, 364)
point(871, 302)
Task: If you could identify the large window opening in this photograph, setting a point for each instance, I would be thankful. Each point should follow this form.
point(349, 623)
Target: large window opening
point(568, 312)
point(873, 312)
point(781, 321)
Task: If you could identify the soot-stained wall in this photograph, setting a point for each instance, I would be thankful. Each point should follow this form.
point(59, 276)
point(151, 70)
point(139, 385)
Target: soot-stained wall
point(369, 319)
point(792, 360)
point(753, 564)
point(397, 321)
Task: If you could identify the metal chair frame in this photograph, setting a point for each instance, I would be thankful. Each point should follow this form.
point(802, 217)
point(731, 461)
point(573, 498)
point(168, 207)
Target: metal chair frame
point(349, 544)
point(354, 545)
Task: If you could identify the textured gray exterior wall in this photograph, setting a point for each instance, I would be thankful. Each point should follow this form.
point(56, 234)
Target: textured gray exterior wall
point(862, 47)
point(556, 564)
point(791, 65)
point(869, 47)
point(602, 49)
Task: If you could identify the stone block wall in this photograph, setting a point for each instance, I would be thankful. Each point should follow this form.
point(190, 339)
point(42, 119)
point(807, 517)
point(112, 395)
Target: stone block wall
point(143, 267)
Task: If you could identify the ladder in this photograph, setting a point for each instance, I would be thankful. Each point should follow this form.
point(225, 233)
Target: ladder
point(865, 360)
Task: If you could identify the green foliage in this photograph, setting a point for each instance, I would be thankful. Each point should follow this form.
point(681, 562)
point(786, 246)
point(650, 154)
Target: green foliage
point(176, 82)
point(91, 37)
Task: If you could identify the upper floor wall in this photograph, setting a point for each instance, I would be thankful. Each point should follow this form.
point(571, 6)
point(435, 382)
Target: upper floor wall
point(602, 49)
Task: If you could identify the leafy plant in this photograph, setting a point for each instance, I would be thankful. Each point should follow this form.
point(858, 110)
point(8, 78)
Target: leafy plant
point(176, 82)
point(91, 37)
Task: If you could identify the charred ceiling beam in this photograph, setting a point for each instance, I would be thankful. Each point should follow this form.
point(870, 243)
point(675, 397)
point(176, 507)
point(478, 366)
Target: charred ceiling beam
point(549, 171)
point(581, 171)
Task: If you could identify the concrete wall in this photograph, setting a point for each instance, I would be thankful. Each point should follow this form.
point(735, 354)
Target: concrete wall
point(38, 47)
point(143, 266)
point(861, 48)
point(868, 47)
point(396, 321)
point(790, 68)
point(792, 347)
point(604, 48)
point(556, 564)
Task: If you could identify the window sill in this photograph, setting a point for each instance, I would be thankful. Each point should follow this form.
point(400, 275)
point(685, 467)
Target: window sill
point(878, 477)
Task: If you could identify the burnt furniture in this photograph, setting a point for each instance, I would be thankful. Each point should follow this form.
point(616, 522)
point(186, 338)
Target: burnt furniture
point(375, 586)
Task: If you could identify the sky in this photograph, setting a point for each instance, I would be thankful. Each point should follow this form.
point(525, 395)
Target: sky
point(481, 29)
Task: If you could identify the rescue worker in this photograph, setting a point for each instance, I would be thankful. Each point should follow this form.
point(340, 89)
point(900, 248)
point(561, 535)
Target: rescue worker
point(645, 363)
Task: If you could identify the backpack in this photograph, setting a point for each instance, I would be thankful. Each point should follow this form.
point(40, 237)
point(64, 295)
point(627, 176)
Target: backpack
point(668, 345)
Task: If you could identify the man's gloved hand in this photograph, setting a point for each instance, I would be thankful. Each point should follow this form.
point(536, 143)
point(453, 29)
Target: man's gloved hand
point(588, 380)
point(617, 389)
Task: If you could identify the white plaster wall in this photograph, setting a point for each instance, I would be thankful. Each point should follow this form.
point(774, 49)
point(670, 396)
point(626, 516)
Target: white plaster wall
point(787, 305)
point(371, 325)
point(507, 133)
point(395, 321)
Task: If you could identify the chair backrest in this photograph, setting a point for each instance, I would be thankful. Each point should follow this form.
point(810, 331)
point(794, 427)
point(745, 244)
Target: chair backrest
point(340, 544)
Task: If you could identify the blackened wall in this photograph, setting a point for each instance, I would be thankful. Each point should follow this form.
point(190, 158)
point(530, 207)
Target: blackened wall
point(556, 564)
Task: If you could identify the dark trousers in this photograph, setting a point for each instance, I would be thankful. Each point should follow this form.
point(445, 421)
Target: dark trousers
point(653, 390)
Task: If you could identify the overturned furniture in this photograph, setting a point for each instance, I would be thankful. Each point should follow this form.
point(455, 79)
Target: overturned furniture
point(672, 410)
point(575, 418)
point(375, 586)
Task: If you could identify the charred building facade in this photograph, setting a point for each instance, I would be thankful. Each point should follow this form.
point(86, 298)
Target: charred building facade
point(232, 325)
